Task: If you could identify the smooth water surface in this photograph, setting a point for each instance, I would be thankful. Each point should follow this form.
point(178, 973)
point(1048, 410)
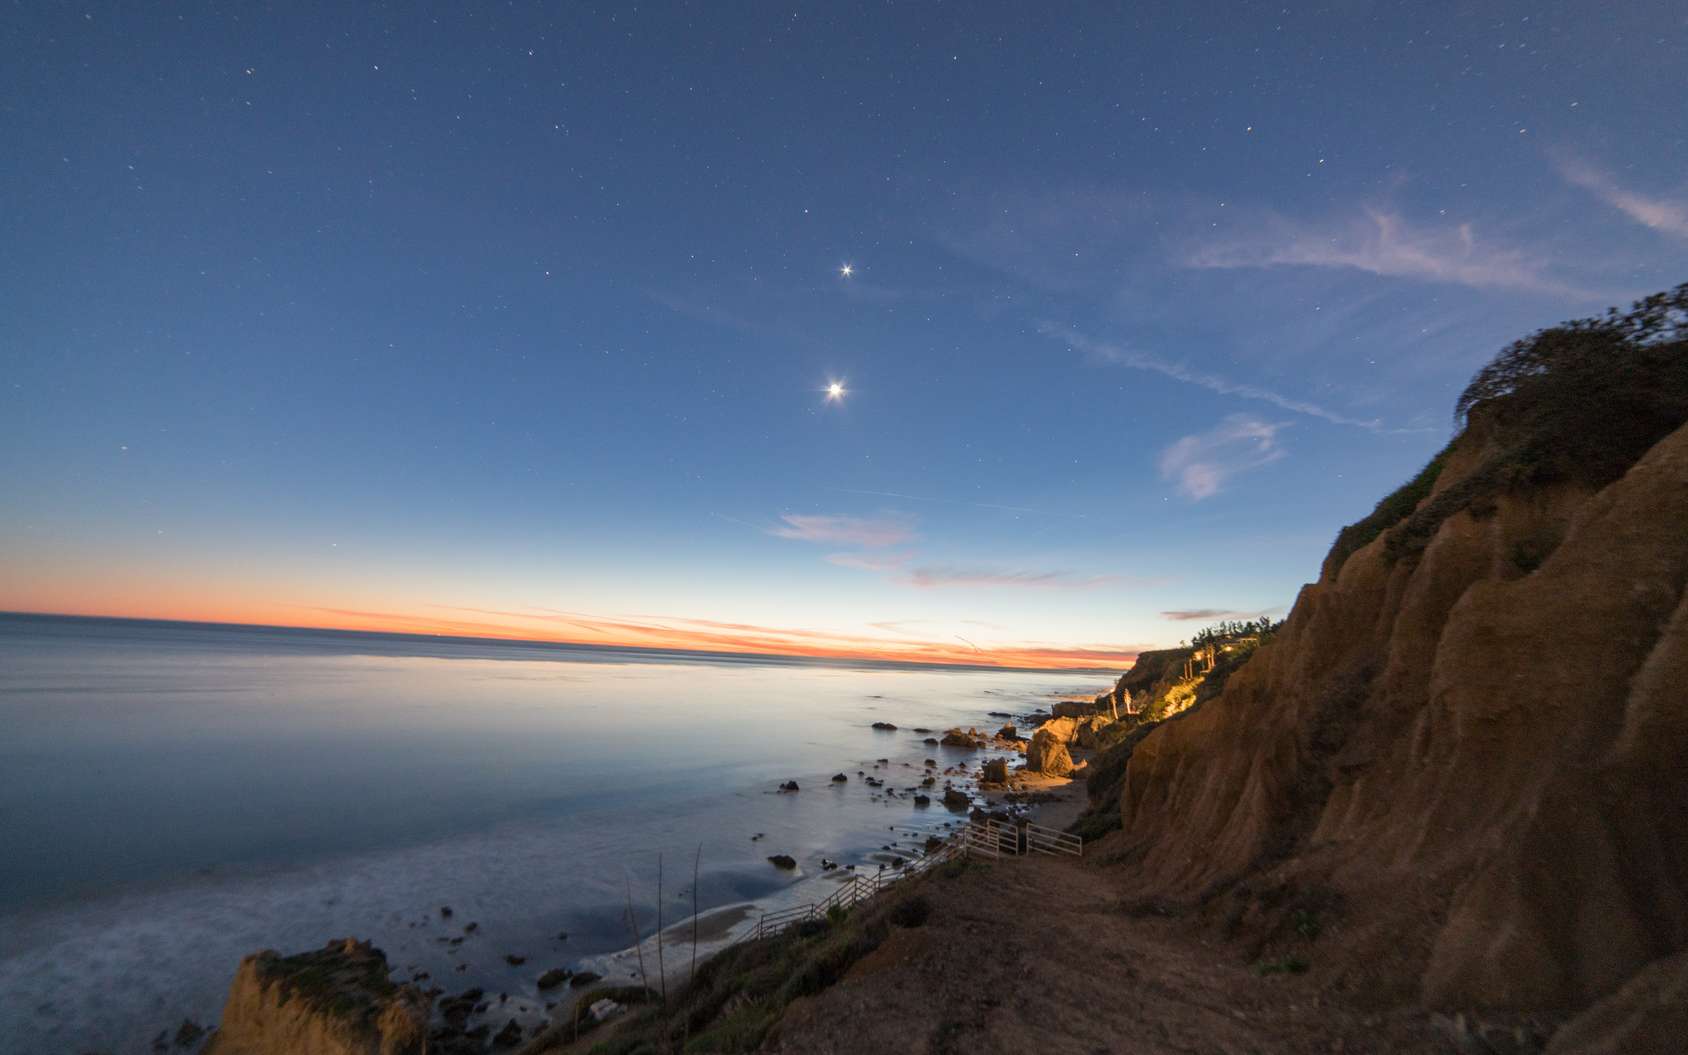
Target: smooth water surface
point(174, 796)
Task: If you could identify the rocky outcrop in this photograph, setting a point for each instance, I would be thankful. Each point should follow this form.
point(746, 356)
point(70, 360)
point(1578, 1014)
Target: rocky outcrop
point(1087, 733)
point(1048, 752)
point(337, 1000)
point(1473, 739)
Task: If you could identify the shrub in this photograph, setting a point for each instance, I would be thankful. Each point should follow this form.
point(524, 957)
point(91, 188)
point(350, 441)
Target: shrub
point(912, 912)
point(1579, 402)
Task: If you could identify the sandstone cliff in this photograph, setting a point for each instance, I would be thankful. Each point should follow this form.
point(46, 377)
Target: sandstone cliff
point(334, 1001)
point(1467, 748)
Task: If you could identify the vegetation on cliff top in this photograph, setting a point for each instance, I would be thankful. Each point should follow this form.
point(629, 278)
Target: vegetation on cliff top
point(1580, 402)
point(344, 977)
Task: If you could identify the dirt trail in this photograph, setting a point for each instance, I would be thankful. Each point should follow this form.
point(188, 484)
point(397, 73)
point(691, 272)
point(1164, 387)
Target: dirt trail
point(1037, 955)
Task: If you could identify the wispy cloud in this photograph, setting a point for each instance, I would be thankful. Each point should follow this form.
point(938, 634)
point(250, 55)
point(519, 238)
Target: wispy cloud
point(1385, 243)
point(1190, 615)
point(901, 567)
point(1016, 509)
point(944, 575)
point(1119, 355)
point(877, 562)
point(1666, 215)
point(870, 532)
point(1201, 464)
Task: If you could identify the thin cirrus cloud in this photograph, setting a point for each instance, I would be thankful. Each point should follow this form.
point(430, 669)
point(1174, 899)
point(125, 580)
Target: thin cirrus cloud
point(869, 532)
point(1190, 615)
point(945, 575)
point(1385, 243)
point(873, 537)
point(1201, 464)
point(1119, 355)
point(901, 567)
point(1665, 215)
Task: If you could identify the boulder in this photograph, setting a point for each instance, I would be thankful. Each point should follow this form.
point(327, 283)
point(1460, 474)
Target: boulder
point(996, 771)
point(553, 978)
point(790, 785)
point(957, 738)
point(1073, 708)
point(336, 1000)
point(785, 861)
point(923, 800)
point(1048, 754)
point(1008, 732)
point(584, 979)
point(839, 778)
point(956, 800)
point(885, 727)
point(1089, 730)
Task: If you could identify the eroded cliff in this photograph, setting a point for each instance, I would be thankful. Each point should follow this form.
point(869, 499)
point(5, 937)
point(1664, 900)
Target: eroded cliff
point(1467, 747)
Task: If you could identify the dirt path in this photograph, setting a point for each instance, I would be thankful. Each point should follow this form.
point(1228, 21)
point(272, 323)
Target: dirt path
point(1035, 955)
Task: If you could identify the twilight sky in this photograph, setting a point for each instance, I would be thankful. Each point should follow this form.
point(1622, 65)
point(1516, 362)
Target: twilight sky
point(518, 320)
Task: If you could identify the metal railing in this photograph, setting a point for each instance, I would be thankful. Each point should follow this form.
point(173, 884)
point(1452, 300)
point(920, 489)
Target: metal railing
point(991, 839)
point(1051, 841)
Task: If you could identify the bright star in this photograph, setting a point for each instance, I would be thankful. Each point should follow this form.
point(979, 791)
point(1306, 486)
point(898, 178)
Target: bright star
point(847, 270)
point(835, 392)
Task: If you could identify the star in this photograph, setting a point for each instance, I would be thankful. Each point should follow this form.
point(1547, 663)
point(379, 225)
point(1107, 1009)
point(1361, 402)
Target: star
point(847, 270)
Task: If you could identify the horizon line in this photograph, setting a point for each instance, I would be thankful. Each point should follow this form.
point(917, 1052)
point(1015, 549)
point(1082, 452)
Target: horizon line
point(836, 656)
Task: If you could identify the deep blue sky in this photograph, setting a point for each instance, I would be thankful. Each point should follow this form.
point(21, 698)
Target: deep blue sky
point(358, 316)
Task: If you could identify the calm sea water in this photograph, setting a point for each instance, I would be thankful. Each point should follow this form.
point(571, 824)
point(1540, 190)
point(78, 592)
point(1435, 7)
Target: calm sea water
point(174, 796)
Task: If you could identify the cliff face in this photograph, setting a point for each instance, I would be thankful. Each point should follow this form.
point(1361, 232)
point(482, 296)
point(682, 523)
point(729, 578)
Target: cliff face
point(1474, 758)
point(334, 1001)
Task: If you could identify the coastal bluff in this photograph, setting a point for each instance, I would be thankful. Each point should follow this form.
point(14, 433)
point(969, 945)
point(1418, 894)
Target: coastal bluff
point(337, 1000)
point(1466, 749)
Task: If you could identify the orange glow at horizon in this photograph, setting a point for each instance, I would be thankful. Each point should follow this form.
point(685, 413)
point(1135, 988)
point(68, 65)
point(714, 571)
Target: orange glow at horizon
point(631, 632)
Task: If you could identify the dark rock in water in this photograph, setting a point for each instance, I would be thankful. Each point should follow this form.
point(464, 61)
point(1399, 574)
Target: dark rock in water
point(790, 785)
point(584, 979)
point(509, 1036)
point(758, 836)
point(956, 800)
point(1008, 732)
point(999, 714)
point(882, 761)
point(470, 928)
point(921, 729)
point(445, 912)
point(188, 1033)
point(957, 738)
point(930, 741)
point(886, 726)
point(996, 771)
point(933, 842)
point(827, 865)
point(513, 960)
point(785, 861)
point(928, 782)
point(923, 800)
point(839, 778)
point(554, 977)
point(932, 763)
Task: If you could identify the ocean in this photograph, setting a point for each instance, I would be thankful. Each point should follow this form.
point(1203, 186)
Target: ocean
point(174, 796)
